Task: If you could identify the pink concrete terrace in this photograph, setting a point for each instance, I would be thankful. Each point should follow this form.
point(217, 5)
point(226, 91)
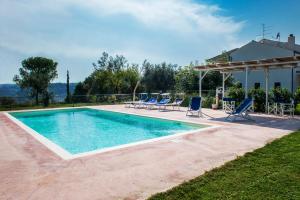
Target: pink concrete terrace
point(29, 170)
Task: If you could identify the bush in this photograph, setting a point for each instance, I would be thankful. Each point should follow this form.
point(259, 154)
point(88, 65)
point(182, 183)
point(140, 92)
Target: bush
point(280, 95)
point(112, 99)
point(236, 92)
point(297, 95)
point(208, 101)
point(92, 98)
point(297, 109)
point(187, 99)
point(259, 96)
point(6, 101)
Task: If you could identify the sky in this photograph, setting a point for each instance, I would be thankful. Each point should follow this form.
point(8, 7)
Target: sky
point(76, 32)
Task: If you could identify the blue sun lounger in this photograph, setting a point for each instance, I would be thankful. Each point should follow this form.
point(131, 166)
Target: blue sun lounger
point(163, 103)
point(150, 103)
point(194, 107)
point(242, 111)
point(143, 98)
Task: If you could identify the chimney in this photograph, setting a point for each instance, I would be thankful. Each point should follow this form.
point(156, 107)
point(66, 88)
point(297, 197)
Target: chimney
point(291, 40)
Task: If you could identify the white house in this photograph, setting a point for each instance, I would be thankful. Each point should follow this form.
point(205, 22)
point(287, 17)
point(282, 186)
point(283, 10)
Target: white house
point(265, 49)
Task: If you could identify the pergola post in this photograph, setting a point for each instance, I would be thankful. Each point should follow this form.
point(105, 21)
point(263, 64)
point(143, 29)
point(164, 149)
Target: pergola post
point(267, 88)
point(201, 76)
point(200, 83)
point(246, 83)
point(223, 85)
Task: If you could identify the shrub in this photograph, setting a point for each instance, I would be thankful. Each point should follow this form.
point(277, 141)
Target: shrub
point(112, 99)
point(187, 99)
point(259, 96)
point(297, 95)
point(92, 98)
point(280, 95)
point(208, 101)
point(6, 101)
point(297, 109)
point(236, 92)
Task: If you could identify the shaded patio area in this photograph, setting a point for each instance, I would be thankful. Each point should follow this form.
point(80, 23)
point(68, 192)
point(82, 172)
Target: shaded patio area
point(28, 170)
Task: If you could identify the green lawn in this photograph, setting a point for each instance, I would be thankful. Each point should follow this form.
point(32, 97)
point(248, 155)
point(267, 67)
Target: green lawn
point(272, 172)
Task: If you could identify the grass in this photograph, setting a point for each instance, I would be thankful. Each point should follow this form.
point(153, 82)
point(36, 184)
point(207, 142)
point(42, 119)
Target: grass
point(272, 172)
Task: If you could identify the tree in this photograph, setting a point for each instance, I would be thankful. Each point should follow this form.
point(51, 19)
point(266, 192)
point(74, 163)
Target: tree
point(139, 77)
point(68, 88)
point(111, 75)
point(159, 77)
point(187, 79)
point(36, 74)
point(80, 92)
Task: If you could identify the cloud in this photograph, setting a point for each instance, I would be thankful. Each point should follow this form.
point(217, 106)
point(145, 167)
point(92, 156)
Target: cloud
point(177, 31)
point(180, 15)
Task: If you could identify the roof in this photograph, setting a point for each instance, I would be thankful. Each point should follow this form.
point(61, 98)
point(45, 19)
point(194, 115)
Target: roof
point(279, 62)
point(284, 45)
point(220, 58)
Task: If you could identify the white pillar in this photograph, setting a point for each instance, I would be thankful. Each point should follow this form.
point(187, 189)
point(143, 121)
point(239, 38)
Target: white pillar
point(223, 85)
point(246, 83)
point(267, 87)
point(200, 83)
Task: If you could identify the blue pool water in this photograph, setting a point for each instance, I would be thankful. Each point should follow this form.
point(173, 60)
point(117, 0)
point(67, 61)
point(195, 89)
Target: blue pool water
point(82, 130)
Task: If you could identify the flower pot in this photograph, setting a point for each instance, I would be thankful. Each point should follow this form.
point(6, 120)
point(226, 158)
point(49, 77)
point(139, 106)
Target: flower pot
point(214, 106)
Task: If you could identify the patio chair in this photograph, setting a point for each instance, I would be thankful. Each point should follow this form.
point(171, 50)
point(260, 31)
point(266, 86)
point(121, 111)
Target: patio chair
point(163, 103)
point(242, 111)
point(287, 107)
point(143, 98)
point(150, 103)
point(194, 107)
point(176, 103)
point(228, 104)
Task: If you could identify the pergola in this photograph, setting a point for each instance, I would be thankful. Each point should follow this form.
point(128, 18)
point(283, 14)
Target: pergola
point(245, 66)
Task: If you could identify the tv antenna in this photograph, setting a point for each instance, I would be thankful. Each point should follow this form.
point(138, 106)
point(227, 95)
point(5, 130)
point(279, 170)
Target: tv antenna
point(266, 30)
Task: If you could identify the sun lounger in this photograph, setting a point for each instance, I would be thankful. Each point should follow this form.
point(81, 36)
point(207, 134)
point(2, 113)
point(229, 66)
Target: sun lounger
point(194, 107)
point(128, 104)
point(175, 104)
point(150, 103)
point(143, 98)
point(242, 111)
point(162, 103)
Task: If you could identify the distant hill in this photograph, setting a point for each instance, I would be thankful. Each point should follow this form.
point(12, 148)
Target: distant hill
point(12, 90)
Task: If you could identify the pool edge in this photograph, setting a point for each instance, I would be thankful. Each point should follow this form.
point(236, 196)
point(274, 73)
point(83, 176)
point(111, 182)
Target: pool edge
point(64, 154)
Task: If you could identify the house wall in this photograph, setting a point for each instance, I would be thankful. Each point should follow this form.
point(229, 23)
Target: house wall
point(297, 78)
point(256, 51)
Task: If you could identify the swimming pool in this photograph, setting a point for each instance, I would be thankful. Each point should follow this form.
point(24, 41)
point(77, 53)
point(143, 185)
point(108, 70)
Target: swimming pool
point(82, 130)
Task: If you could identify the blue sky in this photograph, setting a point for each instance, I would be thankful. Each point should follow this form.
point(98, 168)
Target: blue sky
point(76, 32)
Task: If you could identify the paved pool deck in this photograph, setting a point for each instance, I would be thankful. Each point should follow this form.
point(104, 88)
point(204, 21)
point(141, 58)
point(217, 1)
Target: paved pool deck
point(29, 170)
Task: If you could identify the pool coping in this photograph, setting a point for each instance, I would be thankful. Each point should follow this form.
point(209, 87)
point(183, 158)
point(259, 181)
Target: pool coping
point(64, 154)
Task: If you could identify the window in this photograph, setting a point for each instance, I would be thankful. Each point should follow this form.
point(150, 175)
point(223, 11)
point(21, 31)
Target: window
point(256, 85)
point(277, 85)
